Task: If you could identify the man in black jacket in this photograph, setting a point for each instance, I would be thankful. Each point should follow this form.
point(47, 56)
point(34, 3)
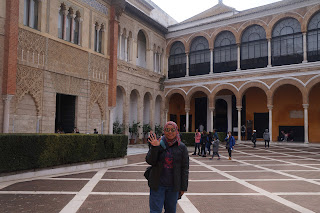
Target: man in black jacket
point(168, 179)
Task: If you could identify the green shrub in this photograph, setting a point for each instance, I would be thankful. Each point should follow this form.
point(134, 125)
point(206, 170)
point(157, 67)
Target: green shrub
point(32, 151)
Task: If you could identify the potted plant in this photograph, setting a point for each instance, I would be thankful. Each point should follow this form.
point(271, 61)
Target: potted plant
point(158, 130)
point(146, 128)
point(134, 129)
point(118, 128)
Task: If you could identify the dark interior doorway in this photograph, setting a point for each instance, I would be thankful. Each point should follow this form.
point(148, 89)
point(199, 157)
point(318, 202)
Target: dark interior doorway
point(65, 112)
point(183, 123)
point(201, 112)
point(261, 123)
point(221, 116)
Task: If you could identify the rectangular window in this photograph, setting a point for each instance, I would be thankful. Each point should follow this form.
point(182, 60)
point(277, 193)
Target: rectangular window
point(30, 16)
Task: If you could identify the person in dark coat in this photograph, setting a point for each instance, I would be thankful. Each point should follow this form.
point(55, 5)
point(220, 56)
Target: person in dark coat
point(203, 142)
point(266, 138)
point(168, 178)
point(231, 142)
point(254, 138)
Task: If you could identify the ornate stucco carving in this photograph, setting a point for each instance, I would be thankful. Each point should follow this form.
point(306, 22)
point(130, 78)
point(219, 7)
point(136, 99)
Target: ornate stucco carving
point(98, 68)
point(29, 81)
point(98, 95)
point(67, 84)
point(31, 48)
point(67, 60)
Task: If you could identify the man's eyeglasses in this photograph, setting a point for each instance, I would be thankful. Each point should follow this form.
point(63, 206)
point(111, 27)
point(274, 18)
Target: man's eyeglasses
point(168, 130)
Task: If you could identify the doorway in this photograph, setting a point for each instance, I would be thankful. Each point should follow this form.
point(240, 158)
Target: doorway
point(221, 116)
point(201, 112)
point(65, 112)
point(261, 123)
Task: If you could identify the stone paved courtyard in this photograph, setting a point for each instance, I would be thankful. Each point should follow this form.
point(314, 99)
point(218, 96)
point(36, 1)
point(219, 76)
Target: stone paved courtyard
point(284, 178)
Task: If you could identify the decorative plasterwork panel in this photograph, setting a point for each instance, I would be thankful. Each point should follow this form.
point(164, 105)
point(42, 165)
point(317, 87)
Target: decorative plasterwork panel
point(67, 84)
point(65, 59)
point(96, 5)
point(31, 48)
point(98, 95)
point(30, 81)
point(98, 68)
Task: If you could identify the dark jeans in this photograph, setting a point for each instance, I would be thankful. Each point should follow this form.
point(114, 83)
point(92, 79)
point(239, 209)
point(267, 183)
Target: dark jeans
point(164, 196)
point(203, 149)
point(230, 152)
point(254, 143)
point(215, 153)
point(197, 146)
point(208, 146)
point(265, 143)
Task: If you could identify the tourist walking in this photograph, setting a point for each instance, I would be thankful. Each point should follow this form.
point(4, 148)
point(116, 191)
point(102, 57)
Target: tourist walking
point(215, 148)
point(168, 177)
point(209, 142)
point(254, 138)
point(266, 138)
point(197, 137)
point(203, 142)
point(230, 144)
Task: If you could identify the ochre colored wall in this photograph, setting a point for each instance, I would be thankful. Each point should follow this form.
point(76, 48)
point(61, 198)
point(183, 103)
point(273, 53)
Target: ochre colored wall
point(285, 99)
point(256, 101)
point(176, 107)
point(314, 114)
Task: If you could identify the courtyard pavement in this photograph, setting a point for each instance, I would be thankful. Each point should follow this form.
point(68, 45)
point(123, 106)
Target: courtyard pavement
point(284, 178)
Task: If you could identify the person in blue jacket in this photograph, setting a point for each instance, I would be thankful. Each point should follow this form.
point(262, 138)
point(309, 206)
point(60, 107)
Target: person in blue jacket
point(230, 143)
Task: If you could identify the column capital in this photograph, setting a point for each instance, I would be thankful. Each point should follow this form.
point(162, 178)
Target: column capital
point(239, 108)
point(212, 108)
point(270, 107)
point(305, 106)
point(73, 16)
point(187, 53)
point(187, 110)
point(65, 12)
point(7, 98)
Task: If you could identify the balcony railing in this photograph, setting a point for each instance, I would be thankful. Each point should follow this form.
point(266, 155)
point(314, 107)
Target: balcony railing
point(199, 69)
point(287, 60)
point(313, 56)
point(225, 67)
point(254, 63)
point(177, 71)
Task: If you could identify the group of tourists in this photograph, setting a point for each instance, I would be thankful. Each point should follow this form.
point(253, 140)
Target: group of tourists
point(204, 140)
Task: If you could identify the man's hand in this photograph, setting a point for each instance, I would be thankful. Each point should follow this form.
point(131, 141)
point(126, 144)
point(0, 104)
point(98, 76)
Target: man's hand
point(180, 194)
point(153, 140)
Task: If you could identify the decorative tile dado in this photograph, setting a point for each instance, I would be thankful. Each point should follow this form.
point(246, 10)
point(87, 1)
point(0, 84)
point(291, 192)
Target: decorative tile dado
point(29, 81)
point(96, 5)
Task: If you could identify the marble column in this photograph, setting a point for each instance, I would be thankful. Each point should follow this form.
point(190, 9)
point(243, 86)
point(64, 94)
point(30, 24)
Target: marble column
point(120, 45)
point(211, 61)
point(269, 53)
point(111, 112)
point(305, 59)
point(6, 112)
point(270, 107)
point(306, 123)
point(126, 48)
point(187, 64)
point(72, 26)
point(187, 119)
point(98, 38)
point(64, 30)
point(211, 118)
point(239, 108)
point(239, 58)
point(166, 115)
